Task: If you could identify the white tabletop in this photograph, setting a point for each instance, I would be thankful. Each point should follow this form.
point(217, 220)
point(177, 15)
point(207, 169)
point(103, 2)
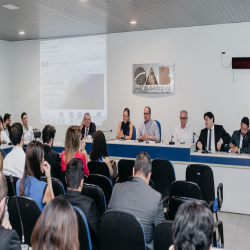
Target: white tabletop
point(133, 143)
point(221, 154)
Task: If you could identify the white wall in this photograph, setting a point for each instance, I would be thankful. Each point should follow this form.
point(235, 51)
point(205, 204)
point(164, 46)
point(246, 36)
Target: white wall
point(201, 83)
point(5, 77)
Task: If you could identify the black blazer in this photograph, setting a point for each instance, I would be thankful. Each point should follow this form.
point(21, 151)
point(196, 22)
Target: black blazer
point(219, 132)
point(92, 130)
point(236, 141)
point(89, 208)
point(9, 239)
point(54, 160)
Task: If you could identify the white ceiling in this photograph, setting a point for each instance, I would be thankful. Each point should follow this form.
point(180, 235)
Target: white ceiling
point(42, 19)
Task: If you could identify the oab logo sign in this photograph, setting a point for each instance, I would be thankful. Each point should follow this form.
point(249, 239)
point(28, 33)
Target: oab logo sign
point(154, 78)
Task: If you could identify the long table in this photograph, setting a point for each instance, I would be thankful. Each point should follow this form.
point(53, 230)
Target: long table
point(232, 170)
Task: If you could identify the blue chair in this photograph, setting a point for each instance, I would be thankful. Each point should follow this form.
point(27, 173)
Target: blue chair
point(134, 133)
point(95, 193)
point(159, 125)
point(57, 186)
point(163, 175)
point(203, 176)
point(29, 212)
point(83, 235)
point(99, 167)
point(121, 230)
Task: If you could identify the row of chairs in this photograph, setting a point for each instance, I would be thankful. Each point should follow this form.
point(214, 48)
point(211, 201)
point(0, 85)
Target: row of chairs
point(119, 230)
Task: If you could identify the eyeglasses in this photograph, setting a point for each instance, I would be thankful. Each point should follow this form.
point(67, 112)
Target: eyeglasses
point(146, 113)
point(183, 118)
point(87, 119)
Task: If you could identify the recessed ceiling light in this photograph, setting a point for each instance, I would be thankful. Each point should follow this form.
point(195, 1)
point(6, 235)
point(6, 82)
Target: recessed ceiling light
point(21, 33)
point(10, 7)
point(133, 22)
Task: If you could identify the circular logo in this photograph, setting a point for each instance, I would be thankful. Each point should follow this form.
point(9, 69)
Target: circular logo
point(140, 76)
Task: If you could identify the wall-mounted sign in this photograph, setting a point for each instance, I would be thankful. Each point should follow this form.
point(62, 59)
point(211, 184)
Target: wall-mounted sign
point(241, 62)
point(156, 78)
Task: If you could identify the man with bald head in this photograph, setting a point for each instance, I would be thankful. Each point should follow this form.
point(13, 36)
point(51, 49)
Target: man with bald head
point(148, 130)
point(183, 133)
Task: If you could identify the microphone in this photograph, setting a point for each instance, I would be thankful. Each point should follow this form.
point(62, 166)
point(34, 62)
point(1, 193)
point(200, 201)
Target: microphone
point(107, 131)
point(193, 141)
point(171, 142)
point(11, 180)
point(30, 132)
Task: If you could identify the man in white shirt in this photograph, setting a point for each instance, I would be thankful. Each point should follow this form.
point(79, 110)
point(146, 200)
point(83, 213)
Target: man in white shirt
point(3, 135)
point(183, 133)
point(148, 130)
point(14, 162)
point(28, 130)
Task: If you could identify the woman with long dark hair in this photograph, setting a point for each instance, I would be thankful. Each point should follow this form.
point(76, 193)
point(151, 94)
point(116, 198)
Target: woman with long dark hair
point(74, 148)
point(30, 185)
point(99, 151)
point(56, 228)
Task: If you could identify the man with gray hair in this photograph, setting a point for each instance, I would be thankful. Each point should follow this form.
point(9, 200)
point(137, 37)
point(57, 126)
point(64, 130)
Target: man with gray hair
point(138, 198)
point(87, 127)
point(183, 133)
point(9, 238)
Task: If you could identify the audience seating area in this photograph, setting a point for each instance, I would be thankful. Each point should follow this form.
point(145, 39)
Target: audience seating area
point(199, 185)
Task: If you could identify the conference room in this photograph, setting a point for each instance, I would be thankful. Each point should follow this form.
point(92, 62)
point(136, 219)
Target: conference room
point(62, 59)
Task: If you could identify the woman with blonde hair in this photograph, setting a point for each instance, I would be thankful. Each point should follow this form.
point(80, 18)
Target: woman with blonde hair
point(56, 228)
point(74, 148)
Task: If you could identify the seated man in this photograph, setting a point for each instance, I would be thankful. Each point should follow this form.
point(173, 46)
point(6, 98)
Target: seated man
point(88, 128)
point(213, 137)
point(240, 141)
point(51, 156)
point(74, 178)
point(149, 129)
point(9, 238)
point(3, 136)
point(14, 162)
point(138, 198)
point(28, 130)
point(183, 133)
point(193, 227)
point(6, 123)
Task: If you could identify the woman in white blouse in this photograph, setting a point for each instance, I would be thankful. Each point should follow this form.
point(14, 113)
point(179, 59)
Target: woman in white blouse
point(3, 135)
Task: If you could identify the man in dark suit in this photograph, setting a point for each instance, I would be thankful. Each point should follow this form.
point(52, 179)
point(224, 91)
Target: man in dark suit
point(240, 141)
point(138, 198)
point(8, 238)
point(51, 156)
point(74, 179)
point(213, 137)
point(88, 128)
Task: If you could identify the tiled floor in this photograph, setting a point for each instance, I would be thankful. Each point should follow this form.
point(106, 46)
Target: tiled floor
point(236, 231)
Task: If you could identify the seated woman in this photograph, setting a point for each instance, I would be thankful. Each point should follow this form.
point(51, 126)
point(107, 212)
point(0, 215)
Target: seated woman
point(125, 128)
point(74, 148)
point(56, 228)
point(3, 135)
point(99, 151)
point(30, 185)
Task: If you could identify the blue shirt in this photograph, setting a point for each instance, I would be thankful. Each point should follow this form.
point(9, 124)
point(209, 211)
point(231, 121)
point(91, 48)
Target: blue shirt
point(34, 189)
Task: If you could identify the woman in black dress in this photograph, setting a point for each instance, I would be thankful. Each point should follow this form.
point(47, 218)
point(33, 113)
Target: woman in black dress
point(125, 128)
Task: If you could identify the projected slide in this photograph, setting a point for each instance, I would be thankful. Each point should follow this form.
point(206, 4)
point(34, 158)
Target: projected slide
point(73, 80)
